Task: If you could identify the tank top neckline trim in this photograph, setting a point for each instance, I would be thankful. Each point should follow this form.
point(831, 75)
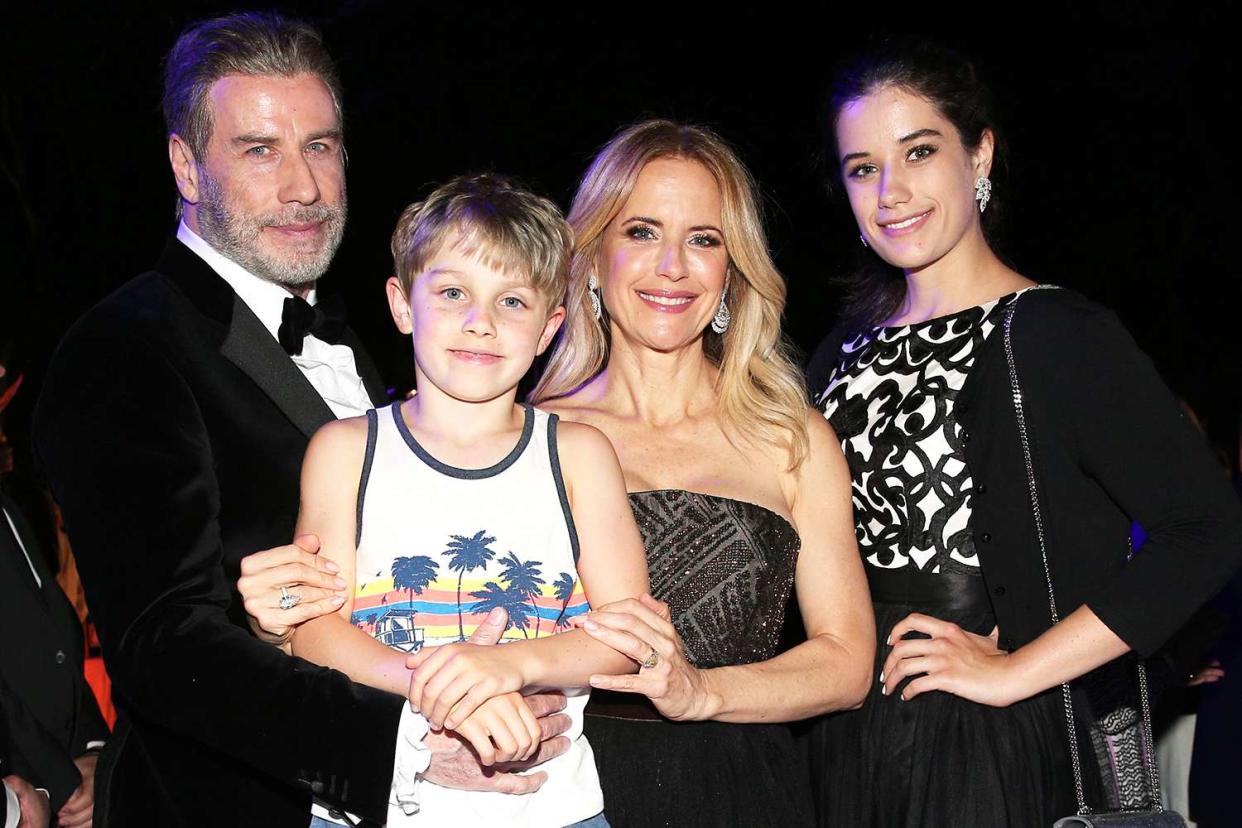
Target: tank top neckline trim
point(772, 512)
point(528, 428)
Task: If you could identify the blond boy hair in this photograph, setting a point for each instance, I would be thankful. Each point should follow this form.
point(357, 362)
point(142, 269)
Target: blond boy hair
point(493, 218)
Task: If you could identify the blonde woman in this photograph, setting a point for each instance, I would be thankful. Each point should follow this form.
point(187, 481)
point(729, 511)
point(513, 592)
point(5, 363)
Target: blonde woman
point(672, 348)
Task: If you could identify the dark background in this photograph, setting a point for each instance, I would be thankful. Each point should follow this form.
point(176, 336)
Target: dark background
point(1121, 170)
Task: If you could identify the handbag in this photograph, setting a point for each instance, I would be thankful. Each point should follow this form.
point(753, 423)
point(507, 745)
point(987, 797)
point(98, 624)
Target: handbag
point(1112, 729)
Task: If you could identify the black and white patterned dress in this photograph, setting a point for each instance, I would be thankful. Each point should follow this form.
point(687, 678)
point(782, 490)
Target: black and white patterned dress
point(891, 403)
point(937, 760)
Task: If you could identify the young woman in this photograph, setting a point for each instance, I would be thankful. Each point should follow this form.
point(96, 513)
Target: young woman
point(965, 725)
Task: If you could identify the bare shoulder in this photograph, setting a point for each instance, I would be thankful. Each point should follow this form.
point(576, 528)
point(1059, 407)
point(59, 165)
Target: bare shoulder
point(819, 430)
point(340, 440)
point(824, 463)
point(578, 442)
point(583, 405)
point(569, 409)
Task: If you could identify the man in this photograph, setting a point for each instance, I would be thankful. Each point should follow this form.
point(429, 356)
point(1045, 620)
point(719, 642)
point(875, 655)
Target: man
point(50, 725)
point(172, 426)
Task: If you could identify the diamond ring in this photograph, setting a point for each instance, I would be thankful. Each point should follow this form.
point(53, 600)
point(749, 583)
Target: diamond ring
point(288, 600)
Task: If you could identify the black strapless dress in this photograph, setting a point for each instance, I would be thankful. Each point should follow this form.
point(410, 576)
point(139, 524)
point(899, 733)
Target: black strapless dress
point(726, 569)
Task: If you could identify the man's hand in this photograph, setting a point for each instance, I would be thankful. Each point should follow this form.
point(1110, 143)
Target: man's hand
point(80, 807)
point(303, 573)
point(455, 765)
point(36, 810)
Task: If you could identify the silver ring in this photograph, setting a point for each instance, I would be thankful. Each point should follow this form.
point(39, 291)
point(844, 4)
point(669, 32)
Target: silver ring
point(652, 660)
point(288, 600)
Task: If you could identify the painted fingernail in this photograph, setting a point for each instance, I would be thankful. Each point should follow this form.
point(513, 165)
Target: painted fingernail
point(903, 696)
point(331, 567)
point(889, 641)
point(883, 689)
point(881, 678)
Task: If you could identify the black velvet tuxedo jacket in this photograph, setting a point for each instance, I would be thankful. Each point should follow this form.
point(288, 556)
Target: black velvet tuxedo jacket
point(49, 711)
point(172, 427)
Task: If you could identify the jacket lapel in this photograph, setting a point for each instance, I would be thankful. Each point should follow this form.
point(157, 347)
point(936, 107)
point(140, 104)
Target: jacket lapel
point(249, 345)
point(251, 348)
point(21, 533)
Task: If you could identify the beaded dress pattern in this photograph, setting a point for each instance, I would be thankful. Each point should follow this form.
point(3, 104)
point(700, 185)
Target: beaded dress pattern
point(725, 568)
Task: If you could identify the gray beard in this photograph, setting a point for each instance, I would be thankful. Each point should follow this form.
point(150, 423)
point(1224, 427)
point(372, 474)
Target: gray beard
point(236, 236)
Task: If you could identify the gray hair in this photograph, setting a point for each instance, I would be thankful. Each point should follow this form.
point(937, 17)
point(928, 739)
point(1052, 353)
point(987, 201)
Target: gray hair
point(250, 43)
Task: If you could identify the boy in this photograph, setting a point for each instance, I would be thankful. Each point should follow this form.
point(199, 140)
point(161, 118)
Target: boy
point(460, 500)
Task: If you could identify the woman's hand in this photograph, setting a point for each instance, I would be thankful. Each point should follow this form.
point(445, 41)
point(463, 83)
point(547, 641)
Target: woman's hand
point(502, 729)
point(451, 681)
point(951, 660)
point(1210, 673)
point(306, 576)
point(641, 630)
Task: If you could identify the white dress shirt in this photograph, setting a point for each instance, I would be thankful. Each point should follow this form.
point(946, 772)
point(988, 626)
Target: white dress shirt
point(334, 374)
point(330, 368)
point(12, 808)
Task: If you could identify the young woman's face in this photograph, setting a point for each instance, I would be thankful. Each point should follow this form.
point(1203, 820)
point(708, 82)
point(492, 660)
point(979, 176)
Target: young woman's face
point(910, 181)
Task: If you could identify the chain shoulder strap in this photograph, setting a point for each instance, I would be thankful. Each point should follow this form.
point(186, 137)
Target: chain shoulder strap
point(1024, 435)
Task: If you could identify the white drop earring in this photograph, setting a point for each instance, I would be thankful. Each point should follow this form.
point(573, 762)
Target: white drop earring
point(983, 191)
point(720, 322)
point(593, 292)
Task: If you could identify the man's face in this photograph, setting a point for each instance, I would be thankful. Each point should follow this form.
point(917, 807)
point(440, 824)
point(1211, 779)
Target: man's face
point(271, 189)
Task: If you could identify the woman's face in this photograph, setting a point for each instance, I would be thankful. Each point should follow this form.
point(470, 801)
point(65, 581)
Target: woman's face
point(662, 260)
point(910, 181)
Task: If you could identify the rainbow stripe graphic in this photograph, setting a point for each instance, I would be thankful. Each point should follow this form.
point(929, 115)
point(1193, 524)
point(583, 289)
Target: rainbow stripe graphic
point(406, 619)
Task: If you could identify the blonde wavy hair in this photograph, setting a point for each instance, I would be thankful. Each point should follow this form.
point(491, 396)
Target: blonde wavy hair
point(760, 389)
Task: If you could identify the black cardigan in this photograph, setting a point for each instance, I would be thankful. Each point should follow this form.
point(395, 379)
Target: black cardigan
point(1110, 445)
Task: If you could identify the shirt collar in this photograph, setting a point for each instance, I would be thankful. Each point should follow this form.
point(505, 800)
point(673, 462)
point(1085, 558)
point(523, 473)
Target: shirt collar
point(265, 299)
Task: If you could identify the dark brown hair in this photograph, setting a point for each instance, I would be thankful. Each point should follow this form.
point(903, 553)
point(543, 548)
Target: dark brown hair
point(950, 83)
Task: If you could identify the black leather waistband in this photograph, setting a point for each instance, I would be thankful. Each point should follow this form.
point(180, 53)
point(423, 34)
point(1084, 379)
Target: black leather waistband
point(953, 591)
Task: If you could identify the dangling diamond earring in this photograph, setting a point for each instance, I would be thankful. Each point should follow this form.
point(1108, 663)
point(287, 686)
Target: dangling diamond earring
point(863, 239)
point(720, 322)
point(593, 292)
point(983, 191)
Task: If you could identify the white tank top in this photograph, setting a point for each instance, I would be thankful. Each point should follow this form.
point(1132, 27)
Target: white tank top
point(437, 548)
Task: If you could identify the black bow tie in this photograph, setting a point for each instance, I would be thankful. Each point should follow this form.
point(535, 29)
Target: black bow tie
point(325, 320)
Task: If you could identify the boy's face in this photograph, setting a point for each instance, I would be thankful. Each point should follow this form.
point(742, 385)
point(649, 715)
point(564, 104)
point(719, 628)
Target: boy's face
point(476, 330)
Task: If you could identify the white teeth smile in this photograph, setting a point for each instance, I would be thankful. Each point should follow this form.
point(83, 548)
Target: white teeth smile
point(666, 300)
point(908, 222)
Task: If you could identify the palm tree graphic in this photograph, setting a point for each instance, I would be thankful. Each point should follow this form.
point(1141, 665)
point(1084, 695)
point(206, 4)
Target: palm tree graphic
point(523, 578)
point(513, 601)
point(413, 574)
point(467, 553)
point(564, 587)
